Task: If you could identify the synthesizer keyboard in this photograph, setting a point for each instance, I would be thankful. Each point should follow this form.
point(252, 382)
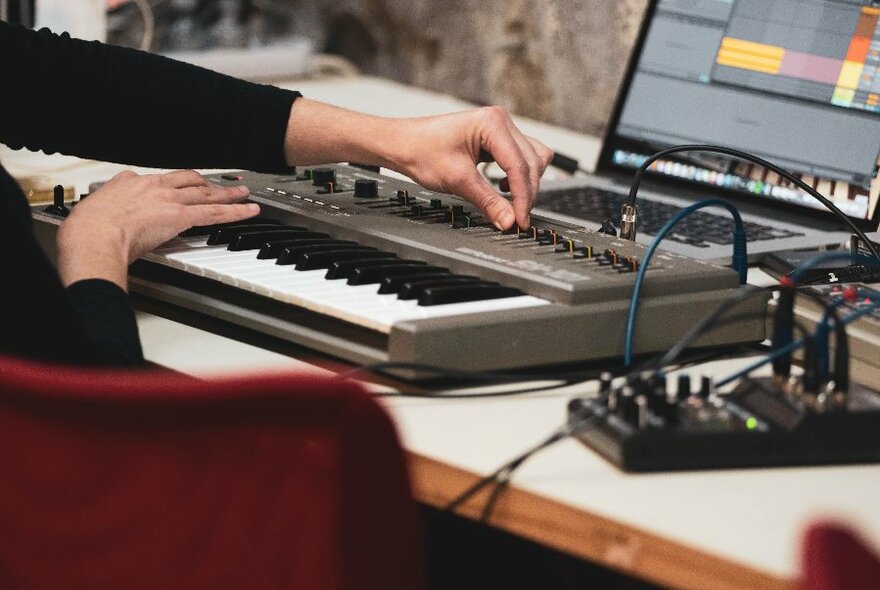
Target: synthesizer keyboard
point(369, 268)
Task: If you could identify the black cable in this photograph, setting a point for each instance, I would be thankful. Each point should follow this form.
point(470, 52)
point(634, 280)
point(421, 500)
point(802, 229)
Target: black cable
point(637, 179)
point(510, 466)
point(488, 378)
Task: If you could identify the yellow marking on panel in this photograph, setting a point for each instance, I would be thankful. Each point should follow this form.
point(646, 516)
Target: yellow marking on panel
point(849, 74)
point(759, 49)
point(746, 63)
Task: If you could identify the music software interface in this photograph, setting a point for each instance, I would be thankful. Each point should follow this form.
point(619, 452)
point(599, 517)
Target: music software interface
point(793, 81)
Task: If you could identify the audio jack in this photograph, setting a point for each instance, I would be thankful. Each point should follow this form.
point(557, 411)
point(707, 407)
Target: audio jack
point(628, 212)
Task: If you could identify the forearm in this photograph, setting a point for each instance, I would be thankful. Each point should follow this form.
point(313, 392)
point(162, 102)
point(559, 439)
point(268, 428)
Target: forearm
point(319, 133)
point(82, 257)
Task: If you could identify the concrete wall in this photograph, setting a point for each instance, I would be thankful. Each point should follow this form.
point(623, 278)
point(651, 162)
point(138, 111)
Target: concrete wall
point(554, 60)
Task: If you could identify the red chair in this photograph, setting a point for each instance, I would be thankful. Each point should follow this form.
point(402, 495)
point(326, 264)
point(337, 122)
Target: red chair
point(835, 558)
point(112, 479)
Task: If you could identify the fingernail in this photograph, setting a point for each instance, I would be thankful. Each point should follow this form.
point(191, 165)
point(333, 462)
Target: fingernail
point(244, 190)
point(253, 208)
point(505, 220)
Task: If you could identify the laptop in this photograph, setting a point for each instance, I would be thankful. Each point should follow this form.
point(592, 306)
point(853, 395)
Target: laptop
point(795, 82)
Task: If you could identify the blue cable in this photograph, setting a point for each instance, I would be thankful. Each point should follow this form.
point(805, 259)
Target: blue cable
point(792, 347)
point(739, 262)
point(820, 337)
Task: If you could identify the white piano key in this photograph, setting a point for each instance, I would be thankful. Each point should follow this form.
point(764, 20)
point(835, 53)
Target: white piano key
point(357, 304)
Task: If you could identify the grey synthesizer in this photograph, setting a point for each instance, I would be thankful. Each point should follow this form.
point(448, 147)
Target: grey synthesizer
point(369, 268)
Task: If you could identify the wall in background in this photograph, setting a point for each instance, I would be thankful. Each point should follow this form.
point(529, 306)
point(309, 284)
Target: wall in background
point(558, 61)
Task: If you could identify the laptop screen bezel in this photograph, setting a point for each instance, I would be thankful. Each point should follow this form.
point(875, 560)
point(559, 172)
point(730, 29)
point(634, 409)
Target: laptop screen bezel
point(605, 164)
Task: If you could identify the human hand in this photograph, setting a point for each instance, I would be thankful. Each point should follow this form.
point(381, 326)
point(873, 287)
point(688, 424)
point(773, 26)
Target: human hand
point(131, 215)
point(440, 152)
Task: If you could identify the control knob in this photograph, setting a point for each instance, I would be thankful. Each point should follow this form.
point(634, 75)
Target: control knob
point(366, 188)
point(323, 176)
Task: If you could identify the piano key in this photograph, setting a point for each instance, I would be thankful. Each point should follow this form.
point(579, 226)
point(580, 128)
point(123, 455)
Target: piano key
point(460, 294)
point(394, 284)
point(254, 240)
point(413, 289)
point(324, 259)
point(377, 274)
point(345, 269)
point(274, 249)
point(362, 305)
point(225, 234)
point(207, 230)
point(292, 254)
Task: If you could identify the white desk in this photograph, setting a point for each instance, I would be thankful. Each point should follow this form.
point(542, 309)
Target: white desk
point(728, 529)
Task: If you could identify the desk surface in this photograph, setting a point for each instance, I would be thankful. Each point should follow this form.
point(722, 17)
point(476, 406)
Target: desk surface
point(726, 529)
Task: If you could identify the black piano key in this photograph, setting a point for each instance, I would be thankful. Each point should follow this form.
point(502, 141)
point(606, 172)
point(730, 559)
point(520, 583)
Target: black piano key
point(254, 240)
point(273, 249)
point(465, 292)
point(224, 235)
point(319, 260)
point(414, 289)
point(292, 254)
point(207, 230)
point(394, 284)
point(377, 274)
point(344, 269)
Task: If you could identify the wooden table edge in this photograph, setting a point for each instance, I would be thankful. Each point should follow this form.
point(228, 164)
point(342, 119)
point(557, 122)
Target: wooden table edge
point(589, 536)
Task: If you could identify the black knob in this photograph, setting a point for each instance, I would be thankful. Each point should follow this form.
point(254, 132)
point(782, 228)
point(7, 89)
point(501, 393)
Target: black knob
point(705, 387)
point(417, 210)
point(365, 188)
point(608, 227)
point(627, 408)
point(684, 387)
point(436, 204)
point(605, 380)
point(58, 207)
point(403, 197)
point(323, 176)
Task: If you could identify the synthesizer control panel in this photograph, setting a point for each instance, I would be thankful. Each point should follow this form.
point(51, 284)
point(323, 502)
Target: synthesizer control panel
point(371, 268)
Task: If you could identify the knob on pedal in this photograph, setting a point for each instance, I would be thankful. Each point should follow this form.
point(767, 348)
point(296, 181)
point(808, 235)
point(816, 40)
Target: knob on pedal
point(58, 207)
point(323, 176)
point(366, 188)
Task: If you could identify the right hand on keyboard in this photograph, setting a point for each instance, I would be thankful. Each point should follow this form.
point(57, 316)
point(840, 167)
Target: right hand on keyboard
point(441, 152)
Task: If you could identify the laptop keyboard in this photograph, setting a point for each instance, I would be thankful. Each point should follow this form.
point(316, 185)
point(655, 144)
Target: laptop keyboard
point(700, 229)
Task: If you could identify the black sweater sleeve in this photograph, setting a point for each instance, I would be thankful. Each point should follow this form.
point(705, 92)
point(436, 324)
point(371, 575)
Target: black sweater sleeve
point(103, 102)
point(121, 105)
point(108, 320)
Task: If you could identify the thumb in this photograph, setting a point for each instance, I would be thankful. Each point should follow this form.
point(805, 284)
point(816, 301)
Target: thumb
point(478, 191)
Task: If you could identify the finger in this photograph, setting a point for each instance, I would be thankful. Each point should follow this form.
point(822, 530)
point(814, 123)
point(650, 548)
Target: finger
point(536, 169)
point(473, 187)
point(213, 214)
point(210, 193)
point(544, 153)
point(183, 178)
point(498, 141)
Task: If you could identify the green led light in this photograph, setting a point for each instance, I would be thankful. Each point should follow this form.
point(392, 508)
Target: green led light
point(751, 423)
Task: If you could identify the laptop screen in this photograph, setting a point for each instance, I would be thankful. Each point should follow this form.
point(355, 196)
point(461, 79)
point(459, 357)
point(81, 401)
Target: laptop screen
point(793, 81)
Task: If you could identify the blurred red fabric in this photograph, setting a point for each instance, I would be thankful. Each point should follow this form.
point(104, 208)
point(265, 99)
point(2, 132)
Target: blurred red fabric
point(154, 479)
point(835, 558)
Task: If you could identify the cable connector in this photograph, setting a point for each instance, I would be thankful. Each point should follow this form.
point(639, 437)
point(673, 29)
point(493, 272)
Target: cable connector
point(628, 214)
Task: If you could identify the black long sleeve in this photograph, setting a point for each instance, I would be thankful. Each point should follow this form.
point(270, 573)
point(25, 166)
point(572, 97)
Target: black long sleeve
point(120, 105)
